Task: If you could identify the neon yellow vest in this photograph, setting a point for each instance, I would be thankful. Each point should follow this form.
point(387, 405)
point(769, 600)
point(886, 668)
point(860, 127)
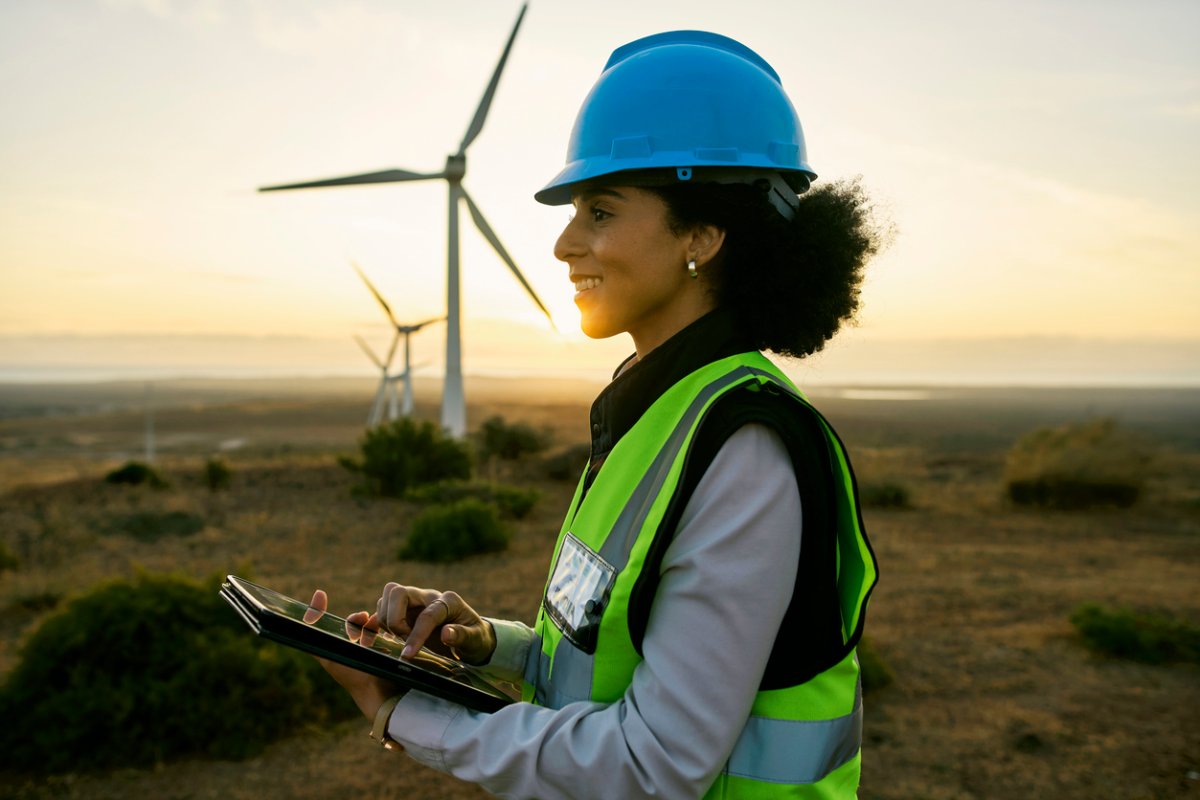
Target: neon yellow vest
point(802, 741)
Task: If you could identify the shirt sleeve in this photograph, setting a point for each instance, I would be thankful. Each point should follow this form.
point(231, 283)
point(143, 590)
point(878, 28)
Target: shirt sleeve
point(726, 583)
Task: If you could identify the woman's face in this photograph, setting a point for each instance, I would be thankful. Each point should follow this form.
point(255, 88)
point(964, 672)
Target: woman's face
point(629, 268)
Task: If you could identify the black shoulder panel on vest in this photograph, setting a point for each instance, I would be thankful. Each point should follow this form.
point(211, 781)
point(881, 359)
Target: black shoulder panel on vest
point(810, 637)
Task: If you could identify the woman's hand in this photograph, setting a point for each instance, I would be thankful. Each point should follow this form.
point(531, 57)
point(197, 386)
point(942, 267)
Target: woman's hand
point(417, 614)
point(368, 691)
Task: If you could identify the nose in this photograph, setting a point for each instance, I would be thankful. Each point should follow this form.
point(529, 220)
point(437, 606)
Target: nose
point(569, 244)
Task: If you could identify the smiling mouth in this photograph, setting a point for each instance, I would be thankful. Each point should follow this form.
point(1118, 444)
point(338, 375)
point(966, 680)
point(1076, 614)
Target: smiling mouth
point(586, 284)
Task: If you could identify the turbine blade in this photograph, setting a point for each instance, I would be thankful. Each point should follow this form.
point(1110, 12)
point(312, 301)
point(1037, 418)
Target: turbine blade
point(490, 235)
point(387, 309)
point(392, 349)
point(430, 321)
point(486, 103)
point(417, 326)
point(367, 349)
point(385, 176)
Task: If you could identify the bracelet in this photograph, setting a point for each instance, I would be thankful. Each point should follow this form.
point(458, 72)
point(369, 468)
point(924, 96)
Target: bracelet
point(379, 730)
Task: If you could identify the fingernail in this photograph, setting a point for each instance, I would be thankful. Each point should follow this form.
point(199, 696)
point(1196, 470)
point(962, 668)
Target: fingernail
point(408, 651)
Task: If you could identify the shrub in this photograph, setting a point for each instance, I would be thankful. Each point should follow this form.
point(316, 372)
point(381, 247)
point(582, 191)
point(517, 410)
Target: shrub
point(509, 441)
point(406, 453)
point(884, 495)
point(35, 601)
point(872, 671)
point(8, 561)
point(451, 533)
point(142, 671)
point(1152, 637)
point(135, 473)
point(217, 474)
point(510, 500)
point(1076, 466)
point(567, 465)
point(150, 526)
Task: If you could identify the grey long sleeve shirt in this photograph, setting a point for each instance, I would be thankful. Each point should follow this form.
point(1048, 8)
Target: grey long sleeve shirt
point(727, 580)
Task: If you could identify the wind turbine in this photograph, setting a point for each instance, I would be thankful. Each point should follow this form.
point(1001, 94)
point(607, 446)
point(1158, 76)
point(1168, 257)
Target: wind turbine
point(454, 412)
point(385, 395)
point(407, 331)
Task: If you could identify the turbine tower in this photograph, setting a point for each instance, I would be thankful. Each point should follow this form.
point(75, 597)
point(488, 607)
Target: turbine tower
point(407, 331)
point(454, 412)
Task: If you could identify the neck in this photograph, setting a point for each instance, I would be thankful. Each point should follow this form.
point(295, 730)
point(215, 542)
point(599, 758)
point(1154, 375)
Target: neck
point(690, 309)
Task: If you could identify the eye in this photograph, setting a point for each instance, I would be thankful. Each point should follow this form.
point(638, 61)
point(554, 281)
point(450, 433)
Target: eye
point(598, 214)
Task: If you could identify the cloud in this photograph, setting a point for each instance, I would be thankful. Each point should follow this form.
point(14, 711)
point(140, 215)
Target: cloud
point(1187, 110)
point(335, 28)
point(200, 13)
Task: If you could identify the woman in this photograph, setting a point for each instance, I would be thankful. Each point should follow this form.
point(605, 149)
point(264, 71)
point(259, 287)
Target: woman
point(696, 635)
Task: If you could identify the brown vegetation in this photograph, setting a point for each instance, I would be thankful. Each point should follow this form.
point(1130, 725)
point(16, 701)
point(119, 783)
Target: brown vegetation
point(994, 694)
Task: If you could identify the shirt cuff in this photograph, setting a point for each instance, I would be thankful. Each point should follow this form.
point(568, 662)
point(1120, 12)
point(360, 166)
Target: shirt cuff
point(419, 723)
point(512, 648)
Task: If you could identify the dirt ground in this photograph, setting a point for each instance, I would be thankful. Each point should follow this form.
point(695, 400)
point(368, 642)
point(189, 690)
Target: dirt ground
point(994, 694)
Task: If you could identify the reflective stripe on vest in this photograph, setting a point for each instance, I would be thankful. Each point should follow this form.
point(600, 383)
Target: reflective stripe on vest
point(796, 751)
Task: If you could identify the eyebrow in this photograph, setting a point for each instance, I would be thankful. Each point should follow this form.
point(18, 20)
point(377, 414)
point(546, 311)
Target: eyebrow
point(600, 191)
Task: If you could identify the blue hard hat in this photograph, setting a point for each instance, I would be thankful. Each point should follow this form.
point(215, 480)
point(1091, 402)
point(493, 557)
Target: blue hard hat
point(684, 105)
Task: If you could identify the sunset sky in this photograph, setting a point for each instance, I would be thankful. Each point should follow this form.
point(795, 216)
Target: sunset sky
point(1039, 161)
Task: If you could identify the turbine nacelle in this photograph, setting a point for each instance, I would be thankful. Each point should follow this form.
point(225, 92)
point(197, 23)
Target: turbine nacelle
point(456, 167)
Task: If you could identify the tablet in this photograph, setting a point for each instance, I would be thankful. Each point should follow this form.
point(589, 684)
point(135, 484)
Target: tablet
point(291, 622)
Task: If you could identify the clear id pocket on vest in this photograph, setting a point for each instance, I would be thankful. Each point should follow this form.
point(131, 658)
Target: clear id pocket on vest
point(578, 592)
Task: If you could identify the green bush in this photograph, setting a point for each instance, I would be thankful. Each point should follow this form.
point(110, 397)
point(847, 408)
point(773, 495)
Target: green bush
point(135, 473)
point(450, 533)
point(884, 495)
point(509, 441)
point(35, 601)
point(1152, 637)
point(8, 561)
point(217, 474)
point(1077, 466)
point(150, 526)
point(510, 500)
point(407, 453)
point(872, 671)
point(567, 465)
point(142, 671)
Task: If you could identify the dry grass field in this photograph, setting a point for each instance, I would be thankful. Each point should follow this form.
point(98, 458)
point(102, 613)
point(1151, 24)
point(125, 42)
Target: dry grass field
point(994, 694)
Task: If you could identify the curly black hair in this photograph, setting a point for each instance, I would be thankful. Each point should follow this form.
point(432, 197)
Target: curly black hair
point(790, 285)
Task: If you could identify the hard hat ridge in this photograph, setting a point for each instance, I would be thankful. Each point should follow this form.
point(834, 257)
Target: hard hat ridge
point(687, 105)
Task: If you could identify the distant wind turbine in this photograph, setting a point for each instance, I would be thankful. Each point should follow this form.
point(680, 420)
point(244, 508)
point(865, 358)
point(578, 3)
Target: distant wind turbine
point(385, 395)
point(454, 412)
point(401, 330)
point(149, 404)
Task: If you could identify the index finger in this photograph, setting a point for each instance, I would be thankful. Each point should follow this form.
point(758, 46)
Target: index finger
point(435, 613)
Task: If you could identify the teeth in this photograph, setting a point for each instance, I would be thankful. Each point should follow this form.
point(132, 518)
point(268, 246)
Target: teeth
point(583, 284)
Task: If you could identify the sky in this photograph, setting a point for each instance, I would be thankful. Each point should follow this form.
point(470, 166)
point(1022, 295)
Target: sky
point(1038, 161)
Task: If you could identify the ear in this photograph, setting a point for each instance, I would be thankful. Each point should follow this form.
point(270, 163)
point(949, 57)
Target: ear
point(706, 241)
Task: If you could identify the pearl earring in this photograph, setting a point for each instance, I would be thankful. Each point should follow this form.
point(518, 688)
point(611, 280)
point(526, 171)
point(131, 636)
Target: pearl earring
point(692, 269)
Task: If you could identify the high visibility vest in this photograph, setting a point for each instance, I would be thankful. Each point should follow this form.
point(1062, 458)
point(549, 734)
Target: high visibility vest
point(800, 741)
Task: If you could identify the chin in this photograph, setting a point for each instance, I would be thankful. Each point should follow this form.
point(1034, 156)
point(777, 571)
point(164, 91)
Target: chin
point(597, 329)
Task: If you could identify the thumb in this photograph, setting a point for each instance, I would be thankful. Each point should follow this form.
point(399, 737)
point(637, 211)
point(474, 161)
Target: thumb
point(469, 643)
